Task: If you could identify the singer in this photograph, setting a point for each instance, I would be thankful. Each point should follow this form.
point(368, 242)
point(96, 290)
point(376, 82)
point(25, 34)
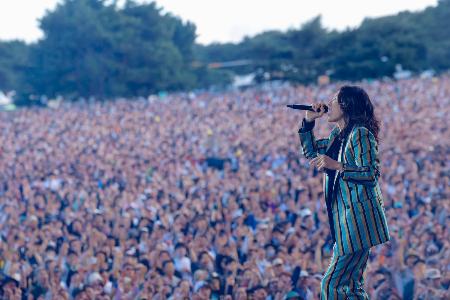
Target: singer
point(349, 159)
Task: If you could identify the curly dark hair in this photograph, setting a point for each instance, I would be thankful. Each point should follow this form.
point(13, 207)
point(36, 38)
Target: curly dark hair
point(358, 109)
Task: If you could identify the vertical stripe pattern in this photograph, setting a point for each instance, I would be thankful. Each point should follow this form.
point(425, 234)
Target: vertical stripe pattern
point(358, 214)
point(344, 276)
point(364, 149)
point(310, 147)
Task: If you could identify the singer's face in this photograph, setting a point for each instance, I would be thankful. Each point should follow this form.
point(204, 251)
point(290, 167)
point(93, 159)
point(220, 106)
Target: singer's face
point(335, 113)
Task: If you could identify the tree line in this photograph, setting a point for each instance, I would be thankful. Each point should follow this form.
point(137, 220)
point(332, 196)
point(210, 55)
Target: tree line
point(96, 48)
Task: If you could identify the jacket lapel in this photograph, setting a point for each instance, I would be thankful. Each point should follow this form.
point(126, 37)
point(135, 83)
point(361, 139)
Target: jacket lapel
point(335, 134)
point(341, 153)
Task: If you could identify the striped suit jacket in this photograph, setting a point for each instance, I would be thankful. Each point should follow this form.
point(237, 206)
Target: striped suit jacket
point(358, 208)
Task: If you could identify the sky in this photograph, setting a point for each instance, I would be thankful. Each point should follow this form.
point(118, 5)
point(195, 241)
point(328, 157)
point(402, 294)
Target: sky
point(224, 20)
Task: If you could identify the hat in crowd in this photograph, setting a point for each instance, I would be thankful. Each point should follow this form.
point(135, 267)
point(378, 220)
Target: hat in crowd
point(292, 295)
point(290, 230)
point(7, 280)
point(131, 251)
point(277, 261)
point(411, 253)
point(426, 200)
point(432, 273)
point(237, 213)
point(200, 285)
point(304, 273)
point(318, 276)
point(98, 211)
point(432, 249)
point(184, 264)
point(94, 278)
point(17, 277)
point(305, 212)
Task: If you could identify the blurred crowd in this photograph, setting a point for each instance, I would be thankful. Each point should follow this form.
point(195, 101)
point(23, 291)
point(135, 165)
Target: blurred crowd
point(207, 196)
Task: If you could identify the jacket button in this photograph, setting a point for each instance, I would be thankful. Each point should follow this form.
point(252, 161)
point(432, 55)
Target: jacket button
point(347, 206)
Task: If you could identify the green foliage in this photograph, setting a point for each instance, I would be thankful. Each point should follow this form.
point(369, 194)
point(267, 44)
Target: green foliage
point(95, 48)
point(417, 41)
point(14, 62)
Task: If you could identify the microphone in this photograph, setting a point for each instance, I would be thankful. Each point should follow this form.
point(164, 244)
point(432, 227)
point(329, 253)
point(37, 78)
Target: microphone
point(305, 107)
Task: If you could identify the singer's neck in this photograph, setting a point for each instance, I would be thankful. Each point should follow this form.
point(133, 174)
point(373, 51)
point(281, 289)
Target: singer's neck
point(341, 124)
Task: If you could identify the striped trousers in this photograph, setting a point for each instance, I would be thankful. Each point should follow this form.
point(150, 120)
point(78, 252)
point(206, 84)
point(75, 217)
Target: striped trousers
point(344, 276)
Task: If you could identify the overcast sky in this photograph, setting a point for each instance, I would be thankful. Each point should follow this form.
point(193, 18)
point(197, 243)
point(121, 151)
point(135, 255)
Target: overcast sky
point(224, 20)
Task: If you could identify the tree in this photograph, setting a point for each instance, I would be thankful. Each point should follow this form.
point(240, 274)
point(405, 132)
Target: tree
point(93, 49)
point(14, 62)
point(96, 48)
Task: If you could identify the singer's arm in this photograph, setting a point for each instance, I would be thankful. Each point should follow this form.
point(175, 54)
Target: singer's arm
point(310, 147)
point(367, 164)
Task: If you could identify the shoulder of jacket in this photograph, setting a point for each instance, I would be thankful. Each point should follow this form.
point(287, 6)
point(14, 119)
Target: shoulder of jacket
point(358, 129)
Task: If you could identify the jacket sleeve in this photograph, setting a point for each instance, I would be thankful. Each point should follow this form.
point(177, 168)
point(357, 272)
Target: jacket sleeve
point(310, 147)
point(366, 168)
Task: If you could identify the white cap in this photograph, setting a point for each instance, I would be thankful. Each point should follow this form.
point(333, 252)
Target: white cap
point(16, 276)
point(184, 264)
point(277, 261)
point(131, 251)
point(304, 273)
point(305, 212)
point(432, 273)
point(108, 287)
point(237, 213)
point(94, 277)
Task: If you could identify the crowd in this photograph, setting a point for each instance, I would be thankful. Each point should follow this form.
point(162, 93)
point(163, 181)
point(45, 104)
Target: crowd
point(207, 196)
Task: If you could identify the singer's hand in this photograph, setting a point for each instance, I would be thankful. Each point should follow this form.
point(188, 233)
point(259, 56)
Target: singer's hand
point(319, 110)
point(324, 161)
